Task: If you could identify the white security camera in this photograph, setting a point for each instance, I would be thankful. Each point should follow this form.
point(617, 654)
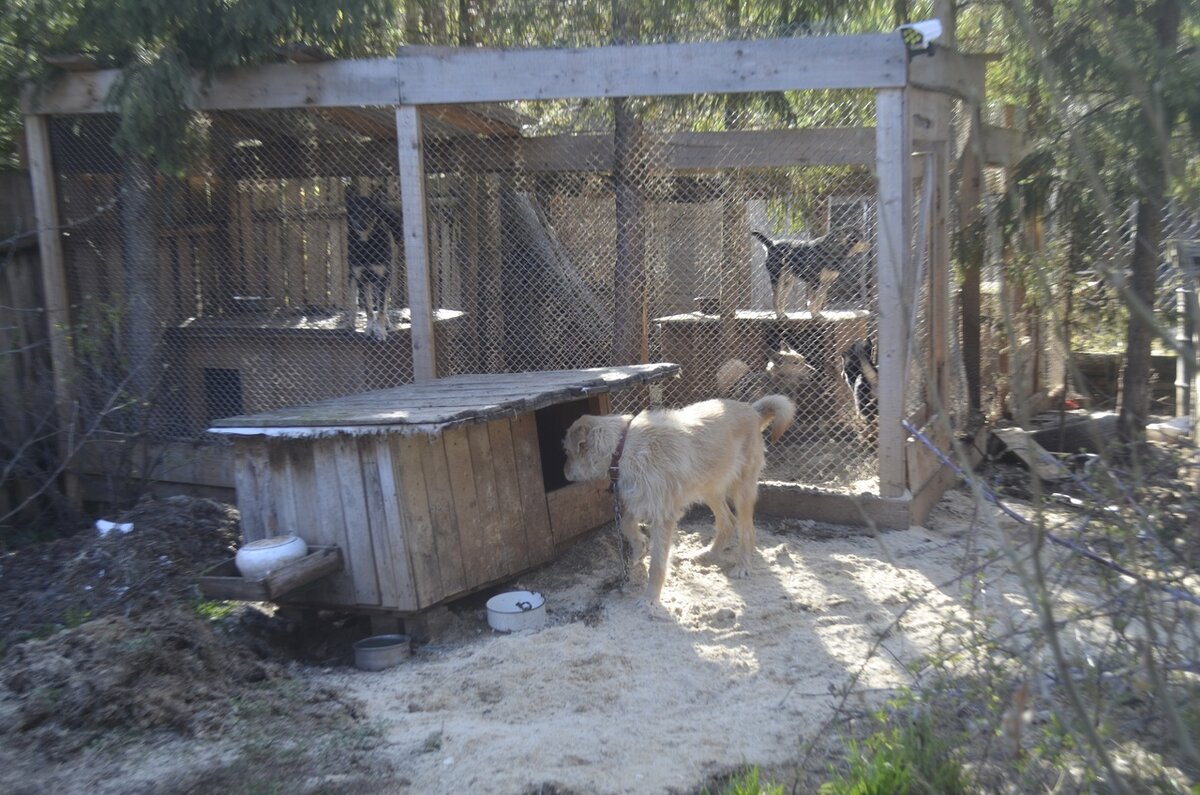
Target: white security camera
point(919, 36)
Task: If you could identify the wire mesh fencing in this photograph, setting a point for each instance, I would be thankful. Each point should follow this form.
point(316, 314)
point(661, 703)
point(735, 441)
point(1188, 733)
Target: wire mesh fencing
point(706, 231)
point(734, 235)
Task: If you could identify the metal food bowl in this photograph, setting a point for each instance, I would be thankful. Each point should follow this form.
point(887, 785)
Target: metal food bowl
point(381, 651)
point(516, 610)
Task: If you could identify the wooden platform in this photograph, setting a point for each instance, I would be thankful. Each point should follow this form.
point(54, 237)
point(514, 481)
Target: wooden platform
point(230, 364)
point(431, 490)
point(701, 342)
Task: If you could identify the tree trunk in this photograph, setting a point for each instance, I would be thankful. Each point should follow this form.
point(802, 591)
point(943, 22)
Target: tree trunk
point(1139, 331)
point(1135, 384)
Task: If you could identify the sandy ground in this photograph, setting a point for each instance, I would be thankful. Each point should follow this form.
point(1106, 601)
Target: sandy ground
point(607, 700)
point(602, 700)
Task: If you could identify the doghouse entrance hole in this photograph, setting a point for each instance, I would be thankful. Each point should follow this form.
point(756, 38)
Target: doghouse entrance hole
point(552, 424)
point(222, 393)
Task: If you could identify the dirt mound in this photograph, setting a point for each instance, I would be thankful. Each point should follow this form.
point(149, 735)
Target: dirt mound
point(61, 584)
point(158, 672)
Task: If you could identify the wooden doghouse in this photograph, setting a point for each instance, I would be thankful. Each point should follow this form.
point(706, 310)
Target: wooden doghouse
point(431, 490)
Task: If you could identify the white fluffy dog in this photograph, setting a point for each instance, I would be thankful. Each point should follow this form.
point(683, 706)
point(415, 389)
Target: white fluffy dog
point(710, 452)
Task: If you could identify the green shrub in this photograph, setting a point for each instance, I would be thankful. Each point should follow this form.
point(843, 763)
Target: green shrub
point(909, 759)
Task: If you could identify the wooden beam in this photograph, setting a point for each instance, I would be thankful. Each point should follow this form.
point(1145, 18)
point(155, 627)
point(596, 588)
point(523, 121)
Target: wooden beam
point(471, 121)
point(54, 285)
point(951, 72)
point(411, 170)
point(1002, 146)
point(320, 84)
point(706, 151)
point(450, 75)
point(454, 75)
point(893, 167)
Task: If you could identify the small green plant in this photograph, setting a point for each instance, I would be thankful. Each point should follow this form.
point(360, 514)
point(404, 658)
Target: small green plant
point(76, 616)
point(748, 782)
point(908, 759)
point(213, 610)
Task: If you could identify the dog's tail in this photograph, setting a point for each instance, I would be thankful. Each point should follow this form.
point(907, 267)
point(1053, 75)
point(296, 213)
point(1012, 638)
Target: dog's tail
point(728, 375)
point(761, 238)
point(776, 411)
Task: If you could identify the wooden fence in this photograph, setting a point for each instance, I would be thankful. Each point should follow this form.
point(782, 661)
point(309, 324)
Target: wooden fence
point(26, 400)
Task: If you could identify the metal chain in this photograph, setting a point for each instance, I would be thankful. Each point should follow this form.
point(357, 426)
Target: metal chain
point(620, 538)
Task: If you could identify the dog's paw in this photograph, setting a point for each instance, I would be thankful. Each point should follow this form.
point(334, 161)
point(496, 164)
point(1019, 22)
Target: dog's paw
point(376, 330)
point(653, 609)
point(741, 571)
point(708, 557)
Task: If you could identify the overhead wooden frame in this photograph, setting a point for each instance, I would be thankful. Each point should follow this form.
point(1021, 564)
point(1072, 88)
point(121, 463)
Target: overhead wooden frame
point(452, 76)
point(455, 74)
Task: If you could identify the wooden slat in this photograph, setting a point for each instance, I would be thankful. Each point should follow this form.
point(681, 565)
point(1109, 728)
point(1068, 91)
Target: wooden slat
point(270, 202)
point(331, 515)
point(466, 507)
point(450, 75)
point(923, 465)
point(423, 547)
point(539, 537)
point(1001, 146)
point(455, 75)
point(316, 244)
point(791, 500)
point(359, 545)
point(514, 544)
point(467, 397)
point(435, 472)
point(893, 165)
point(382, 532)
point(224, 582)
point(245, 480)
point(411, 170)
point(281, 489)
point(54, 282)
point(327, 84)
point(578, 508)
point(950, 72)
point(691, 151)
point(312, 497)
point(398, 525)
point(292, 259)
point(487, 501)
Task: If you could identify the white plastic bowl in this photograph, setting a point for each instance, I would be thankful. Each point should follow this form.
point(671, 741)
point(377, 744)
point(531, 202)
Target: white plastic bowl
point(516, 610)
point(259, 558)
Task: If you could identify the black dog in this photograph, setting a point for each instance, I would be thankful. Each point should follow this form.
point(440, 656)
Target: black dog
point(862, 376)
point(815, 262)
point(372, 230)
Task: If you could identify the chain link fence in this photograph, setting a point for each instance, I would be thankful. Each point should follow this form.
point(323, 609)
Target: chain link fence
point(734, 235)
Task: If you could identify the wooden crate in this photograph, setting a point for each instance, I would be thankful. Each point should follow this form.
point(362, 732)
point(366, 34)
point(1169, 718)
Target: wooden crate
point(431, 490)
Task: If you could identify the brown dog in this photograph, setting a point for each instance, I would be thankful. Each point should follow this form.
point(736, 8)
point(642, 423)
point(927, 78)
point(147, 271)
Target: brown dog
point(710, 452)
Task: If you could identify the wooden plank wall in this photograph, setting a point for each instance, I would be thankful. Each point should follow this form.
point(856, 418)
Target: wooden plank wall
point(26, 395)
point(419, 519)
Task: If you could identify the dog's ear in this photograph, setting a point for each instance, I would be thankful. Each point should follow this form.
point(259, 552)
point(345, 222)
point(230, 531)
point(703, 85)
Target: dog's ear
point(577, 435)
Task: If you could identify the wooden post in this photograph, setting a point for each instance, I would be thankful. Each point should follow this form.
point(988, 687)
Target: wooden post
point(54, 289)
point(893, 156)
point(970, 193)
point(939, 297)
point(416, 239)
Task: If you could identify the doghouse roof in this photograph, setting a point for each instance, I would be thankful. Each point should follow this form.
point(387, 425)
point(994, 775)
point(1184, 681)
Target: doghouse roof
point(432, 406)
